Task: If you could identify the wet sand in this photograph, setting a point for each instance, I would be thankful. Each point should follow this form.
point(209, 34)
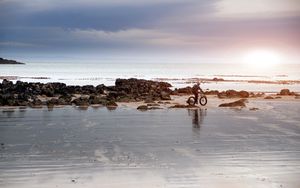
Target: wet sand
point(206, 147)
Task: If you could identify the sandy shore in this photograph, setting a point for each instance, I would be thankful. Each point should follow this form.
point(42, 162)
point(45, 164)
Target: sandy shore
point(206, 147)
point(214, 102)
point(257, 103)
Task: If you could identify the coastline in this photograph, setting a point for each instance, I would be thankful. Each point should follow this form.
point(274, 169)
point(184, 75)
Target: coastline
point(129, 93)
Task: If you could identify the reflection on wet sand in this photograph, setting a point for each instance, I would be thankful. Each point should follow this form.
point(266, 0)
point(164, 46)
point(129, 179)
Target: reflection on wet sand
point(69, 147)
point(197, 116)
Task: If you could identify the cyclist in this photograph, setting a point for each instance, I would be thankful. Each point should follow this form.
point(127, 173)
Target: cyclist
point(195, 89)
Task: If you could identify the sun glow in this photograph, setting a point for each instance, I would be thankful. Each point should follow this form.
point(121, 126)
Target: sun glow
point(261, 58)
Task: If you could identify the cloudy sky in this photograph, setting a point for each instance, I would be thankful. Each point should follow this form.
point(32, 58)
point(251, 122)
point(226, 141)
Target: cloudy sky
point(123, 28)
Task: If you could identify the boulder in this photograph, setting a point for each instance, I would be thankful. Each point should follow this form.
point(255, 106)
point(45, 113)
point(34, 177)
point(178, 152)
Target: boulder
point(211, 92)
point(142, 107)
point(149, 100)
point(233, 94)
point(165, 95)
point(6, 83)
point(152, 104)
point(111, 104)
point(36, 103)
point(217, 79)
point(59, 101)
point(286, 92)
point(140, 89)
point(269, 97)
point(67, 98)
point(81, 101)
point(238, 103)
point(243, 94)
point(100, 89)
point(88, 89)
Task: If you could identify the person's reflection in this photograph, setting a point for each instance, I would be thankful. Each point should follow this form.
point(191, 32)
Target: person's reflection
point(197, 116)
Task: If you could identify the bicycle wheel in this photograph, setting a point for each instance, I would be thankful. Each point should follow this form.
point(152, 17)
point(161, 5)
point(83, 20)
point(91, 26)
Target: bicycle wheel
point(191, 101)
point(203, 100)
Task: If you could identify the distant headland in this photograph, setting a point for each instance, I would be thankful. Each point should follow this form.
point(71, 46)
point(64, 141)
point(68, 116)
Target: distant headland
point(11, 62)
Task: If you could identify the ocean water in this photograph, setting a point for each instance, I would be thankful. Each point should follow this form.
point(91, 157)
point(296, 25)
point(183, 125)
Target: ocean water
point(70, 147)
point(94, 73)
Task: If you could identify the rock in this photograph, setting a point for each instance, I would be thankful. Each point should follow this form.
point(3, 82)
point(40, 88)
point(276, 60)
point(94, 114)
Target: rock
point(164, 102)
point(152, 104)
point(95, 99)
point(59, 101)
point(6, 83)
point(254, 109)
point(88, 89)
point(254, 95)
point(297, 97)
point(149, 100)
point(211, 92)
point(111, 104)
point(125, 99)
point(217, 79)
point(233, 94)
point(154, 108)
point(165, 96)
point(142, 107)
point(66, 98)
point(285, 92)
point(47, 90)
point(81, 101)
point(139, 89)
point(269, 97)
point(126, 90)
point(238, 103)
point(36, 103)
point(243, 94)
point(7, 61)
point(100, 89)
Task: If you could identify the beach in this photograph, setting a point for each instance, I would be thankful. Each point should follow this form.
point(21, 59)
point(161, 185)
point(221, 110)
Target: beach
point(143, 133)
point(207, 146)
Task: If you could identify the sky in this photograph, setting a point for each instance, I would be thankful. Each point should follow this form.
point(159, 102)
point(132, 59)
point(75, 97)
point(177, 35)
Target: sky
point(186, 29)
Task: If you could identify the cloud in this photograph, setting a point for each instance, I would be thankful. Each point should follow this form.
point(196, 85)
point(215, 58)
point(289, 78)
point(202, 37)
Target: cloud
point(198, 26)
point(17, 44)
point(38, 6)
point(257, 8)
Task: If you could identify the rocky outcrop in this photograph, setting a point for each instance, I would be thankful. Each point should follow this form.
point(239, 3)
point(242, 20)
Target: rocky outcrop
point(139, 90)
point(212, 92)
point(286, 92)
point(125, 90)
point(7, 61)
point(238, 103)
point(269, 97)
point(233, 94)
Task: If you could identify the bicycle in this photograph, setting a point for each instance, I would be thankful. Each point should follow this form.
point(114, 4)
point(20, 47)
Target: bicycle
point(202, 100)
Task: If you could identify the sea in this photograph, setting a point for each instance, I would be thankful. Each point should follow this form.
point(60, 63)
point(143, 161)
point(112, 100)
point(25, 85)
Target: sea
point(178, 74)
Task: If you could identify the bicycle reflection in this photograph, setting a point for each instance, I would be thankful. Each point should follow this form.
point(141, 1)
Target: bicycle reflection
point(197, 116)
